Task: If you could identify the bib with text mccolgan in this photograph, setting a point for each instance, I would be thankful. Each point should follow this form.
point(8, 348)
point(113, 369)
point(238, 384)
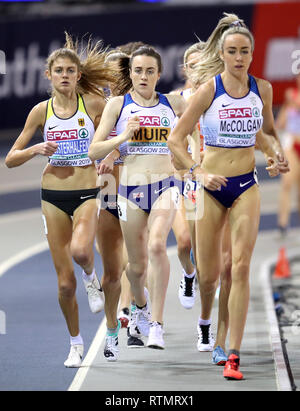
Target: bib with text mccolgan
point(232, 122)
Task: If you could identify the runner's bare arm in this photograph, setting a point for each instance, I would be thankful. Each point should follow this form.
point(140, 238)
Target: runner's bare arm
point(100, 146)
point(19, 154)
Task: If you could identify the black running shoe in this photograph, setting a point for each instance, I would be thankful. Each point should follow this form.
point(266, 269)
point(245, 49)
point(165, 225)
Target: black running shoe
point(134, 342)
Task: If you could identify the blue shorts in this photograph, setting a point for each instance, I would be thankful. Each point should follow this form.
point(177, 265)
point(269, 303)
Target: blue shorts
point(235, 187)
point(144, 196)
point(109, 203)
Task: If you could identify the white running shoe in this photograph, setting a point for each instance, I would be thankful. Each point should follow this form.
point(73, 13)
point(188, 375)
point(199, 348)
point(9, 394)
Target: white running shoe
point(111, 349)
point(206, 340)
point(143, 319)
point(74, 359)
point(155, 339)
point(143, 316)
point(95, 295)
point(186, 292)
point(133, 328)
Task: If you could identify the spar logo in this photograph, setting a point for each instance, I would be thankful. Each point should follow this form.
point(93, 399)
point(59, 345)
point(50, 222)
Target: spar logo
point(245, 112)
point(256, 112)
point(62, 135)
point(83, 133)
point(165, 121)
point(149, 121)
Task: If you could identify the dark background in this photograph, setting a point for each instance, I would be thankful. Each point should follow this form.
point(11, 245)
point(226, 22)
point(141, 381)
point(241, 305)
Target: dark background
point(28, 35)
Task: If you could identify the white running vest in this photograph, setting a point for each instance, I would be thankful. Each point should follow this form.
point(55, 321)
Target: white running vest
point(73, 135)
point(232, 122)
point(156, 125)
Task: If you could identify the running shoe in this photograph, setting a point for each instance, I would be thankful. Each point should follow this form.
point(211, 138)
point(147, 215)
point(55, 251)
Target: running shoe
point(111, 348)
point(231, 369)
point(219, 357)
point(206, 340)
point(95, 295)
point(134, 342)
point(124, 317)
point(143, 316)
point(74, 359)
point(155, 339)
point(186, 292)
point(133, 328)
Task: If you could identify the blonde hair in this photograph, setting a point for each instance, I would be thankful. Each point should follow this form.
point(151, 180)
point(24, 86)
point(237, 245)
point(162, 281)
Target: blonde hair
point(90, 61)
point(211, 63)
point(194, 48)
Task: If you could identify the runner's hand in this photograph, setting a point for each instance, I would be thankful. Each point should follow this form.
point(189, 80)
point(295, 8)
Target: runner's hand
point(133, 126)
point(46, 149)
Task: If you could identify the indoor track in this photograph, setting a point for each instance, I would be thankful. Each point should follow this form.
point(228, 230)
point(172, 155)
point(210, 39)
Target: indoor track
point(34, 341)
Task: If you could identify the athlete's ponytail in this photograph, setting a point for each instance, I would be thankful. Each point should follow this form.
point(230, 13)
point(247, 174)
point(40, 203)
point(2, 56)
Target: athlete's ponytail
point(211, 64)
point(90, 60)
point(120, 61)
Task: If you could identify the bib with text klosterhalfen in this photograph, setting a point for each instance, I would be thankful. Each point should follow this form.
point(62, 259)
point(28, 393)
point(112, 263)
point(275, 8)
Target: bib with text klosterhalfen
point(73, 135)
point(233, 122)
point(156, 125)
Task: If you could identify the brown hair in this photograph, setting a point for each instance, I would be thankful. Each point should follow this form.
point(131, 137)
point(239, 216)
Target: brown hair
point(147, 51)
point(126, 63)
point(90, 60)
point(120, 61)
point(130, 47)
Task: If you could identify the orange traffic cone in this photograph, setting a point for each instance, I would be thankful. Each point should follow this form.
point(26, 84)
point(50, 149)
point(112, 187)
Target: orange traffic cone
point(282, 269)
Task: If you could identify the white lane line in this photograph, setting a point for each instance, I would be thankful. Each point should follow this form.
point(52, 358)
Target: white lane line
point(96, 345)
point(21, 256)
point(282, 377)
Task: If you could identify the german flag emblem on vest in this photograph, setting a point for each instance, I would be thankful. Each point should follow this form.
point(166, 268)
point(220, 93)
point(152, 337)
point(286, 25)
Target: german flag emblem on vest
point(81, 122)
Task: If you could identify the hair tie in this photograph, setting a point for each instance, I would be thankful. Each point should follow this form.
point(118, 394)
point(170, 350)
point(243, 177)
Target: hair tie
point(236, 23)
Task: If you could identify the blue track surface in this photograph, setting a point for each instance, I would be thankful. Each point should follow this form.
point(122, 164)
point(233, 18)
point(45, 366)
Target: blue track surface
point(36, 343)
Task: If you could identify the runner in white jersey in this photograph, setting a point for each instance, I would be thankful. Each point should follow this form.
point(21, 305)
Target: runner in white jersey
point(233, 106)
point(69, 181)
point(148, 195)
point(183, 226)
point(110, 242)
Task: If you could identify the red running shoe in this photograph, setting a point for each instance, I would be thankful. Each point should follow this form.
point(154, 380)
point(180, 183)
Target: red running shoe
point(231, 369)
point(123, 316)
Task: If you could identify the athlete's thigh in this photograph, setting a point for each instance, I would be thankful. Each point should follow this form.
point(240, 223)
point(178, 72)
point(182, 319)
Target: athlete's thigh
point(110, 241)
point(163, 212)
point(133, 223)
point(226, 240)
point(58, 228)
point(244, 219)
point(85, 221)
point(209, 232)
point(180, 223)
